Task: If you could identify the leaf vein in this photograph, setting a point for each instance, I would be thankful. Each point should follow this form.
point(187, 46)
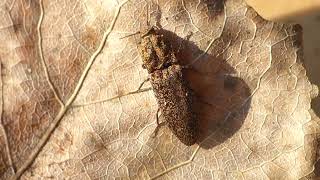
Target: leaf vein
point(44, 139)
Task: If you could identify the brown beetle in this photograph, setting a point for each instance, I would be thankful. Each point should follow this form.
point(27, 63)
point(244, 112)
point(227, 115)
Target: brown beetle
point(174, 96)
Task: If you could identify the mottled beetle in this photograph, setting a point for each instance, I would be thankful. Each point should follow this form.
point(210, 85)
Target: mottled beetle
point(174, 96)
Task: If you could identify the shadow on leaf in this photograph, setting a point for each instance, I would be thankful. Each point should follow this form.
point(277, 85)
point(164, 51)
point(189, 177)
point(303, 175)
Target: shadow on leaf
point(223, 100)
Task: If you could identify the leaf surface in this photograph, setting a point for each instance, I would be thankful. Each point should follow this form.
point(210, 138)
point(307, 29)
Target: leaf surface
point(70, 109)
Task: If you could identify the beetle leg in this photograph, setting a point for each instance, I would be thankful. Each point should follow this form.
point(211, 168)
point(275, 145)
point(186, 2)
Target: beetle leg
point(159, 124)
point(141, 84)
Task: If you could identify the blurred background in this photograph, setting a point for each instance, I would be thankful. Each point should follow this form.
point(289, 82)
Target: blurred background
point(307, 14)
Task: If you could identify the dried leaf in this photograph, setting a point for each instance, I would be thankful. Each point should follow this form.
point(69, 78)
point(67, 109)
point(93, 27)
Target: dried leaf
point(69, 107)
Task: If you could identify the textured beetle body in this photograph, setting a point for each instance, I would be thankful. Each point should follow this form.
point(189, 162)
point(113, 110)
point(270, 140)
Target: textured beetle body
point(174, 96)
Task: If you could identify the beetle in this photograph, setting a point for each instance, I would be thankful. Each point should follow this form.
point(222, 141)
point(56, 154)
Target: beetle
point(172, 91)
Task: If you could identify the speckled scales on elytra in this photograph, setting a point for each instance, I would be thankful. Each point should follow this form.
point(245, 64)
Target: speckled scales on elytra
point(174, 96)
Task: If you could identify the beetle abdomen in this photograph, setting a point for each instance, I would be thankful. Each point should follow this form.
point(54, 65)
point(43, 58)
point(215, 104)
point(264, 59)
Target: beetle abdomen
point(175, 100)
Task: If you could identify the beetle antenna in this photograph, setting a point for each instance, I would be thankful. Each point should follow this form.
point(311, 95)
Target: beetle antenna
point(148, 16)
point(138, 32)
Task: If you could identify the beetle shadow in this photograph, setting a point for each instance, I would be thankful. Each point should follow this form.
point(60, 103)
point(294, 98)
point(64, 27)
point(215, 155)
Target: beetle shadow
point(223, 100)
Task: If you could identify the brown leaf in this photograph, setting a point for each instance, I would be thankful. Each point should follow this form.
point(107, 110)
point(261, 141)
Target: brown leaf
point(69, 106)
